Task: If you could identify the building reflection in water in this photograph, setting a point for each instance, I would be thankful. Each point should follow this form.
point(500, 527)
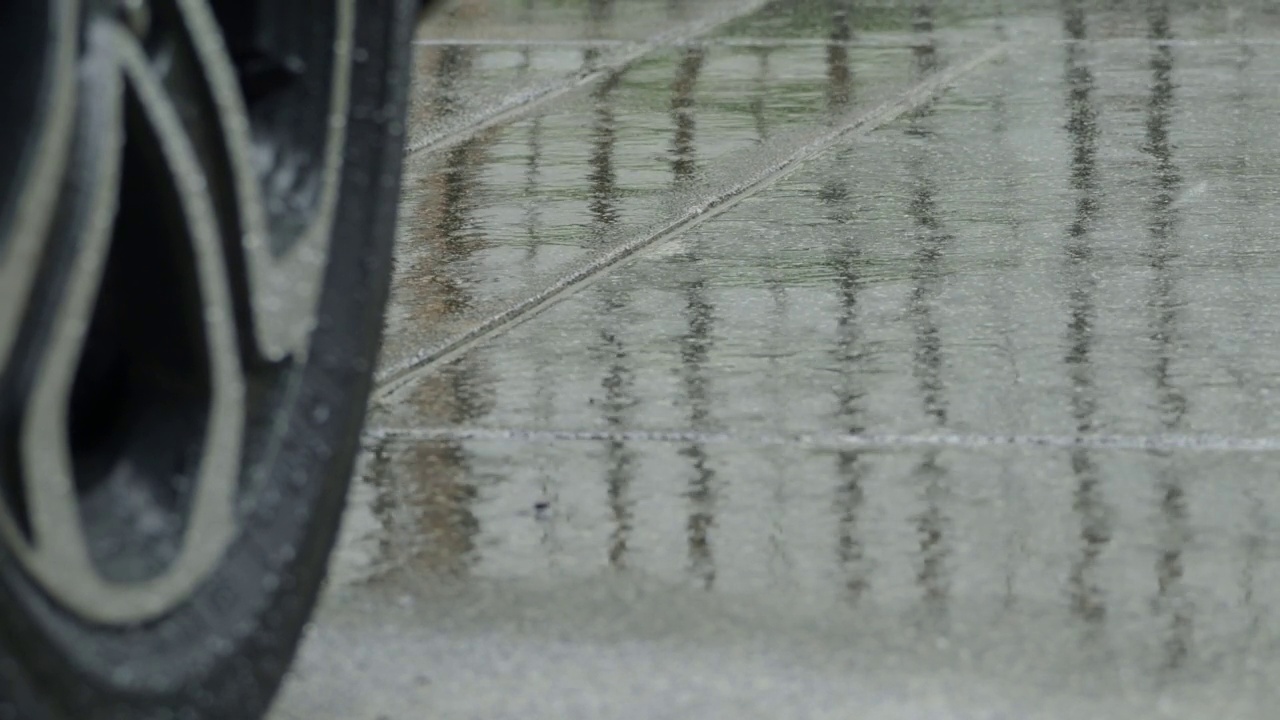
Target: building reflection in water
point(602, 177)
point(1088, 600)
point(599, 12)
point(683, 106)
point(847, 265)
point(434, 478)
point(532, 181)
point(456, 240)
point(449, 86)
point(839, 74)
point(426, 491)
point(459, 393)
point(762, 90)
point(849, 354)
point(440, 479)
point(618, 382)
point(932, 243)
point(438, 207)
point(526, 52)
point(695, 347)
point(1163, 253)
point(695, 344)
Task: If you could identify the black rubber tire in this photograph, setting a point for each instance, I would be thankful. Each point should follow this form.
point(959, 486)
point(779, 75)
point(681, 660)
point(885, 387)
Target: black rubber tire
point(223, 653)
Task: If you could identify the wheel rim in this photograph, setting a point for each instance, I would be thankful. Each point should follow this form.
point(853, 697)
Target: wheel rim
point(162, 245)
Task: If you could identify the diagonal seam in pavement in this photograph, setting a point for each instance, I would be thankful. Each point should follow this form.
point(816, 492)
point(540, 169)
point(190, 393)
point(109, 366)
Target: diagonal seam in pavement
point(514, 106)
point(699, 211)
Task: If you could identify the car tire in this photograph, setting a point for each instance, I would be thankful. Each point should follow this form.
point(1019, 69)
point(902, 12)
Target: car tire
point(191, 300)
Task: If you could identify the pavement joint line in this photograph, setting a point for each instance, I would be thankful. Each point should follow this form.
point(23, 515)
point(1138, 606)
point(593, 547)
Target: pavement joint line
point(392, 378)
point(869, 441)
point(514, 106)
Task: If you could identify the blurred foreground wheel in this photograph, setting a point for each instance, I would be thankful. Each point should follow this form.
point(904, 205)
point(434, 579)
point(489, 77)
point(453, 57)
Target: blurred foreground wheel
point(197, 203)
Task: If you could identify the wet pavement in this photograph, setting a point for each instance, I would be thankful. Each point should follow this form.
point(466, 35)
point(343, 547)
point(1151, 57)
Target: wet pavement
point(824, 359)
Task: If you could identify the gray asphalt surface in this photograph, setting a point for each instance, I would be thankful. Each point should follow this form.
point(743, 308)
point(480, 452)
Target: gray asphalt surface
point(824, 359)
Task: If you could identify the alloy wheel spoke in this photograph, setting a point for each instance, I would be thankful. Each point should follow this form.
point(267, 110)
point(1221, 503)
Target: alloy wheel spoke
point(45, 465)
point(172, 234)
point(131, 149)
point(285, 192)
point(39, 160)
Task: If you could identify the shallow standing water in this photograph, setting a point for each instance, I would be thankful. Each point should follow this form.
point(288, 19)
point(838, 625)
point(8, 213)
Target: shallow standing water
point(824, 359)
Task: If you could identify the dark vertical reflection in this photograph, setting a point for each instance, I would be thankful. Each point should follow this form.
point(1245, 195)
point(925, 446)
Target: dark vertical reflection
point(618, 380)
point(435, 280)
point(449, 83)
point(1001, 15)
point(544, 369)
point(762, 90)
point(695, 344)
point(851, 549)
point(599, 12)
point(378, 475)
point(927, 274)
point(526, 52)
point(454, 231)
point(1074, 20)
point(602, 177)
point(544, 359)
point(684, 154)
point(443, 483)
point(1088, 601)
point(436, 480)
point(599, 15)
point(619, 397)
point(933, 241)
point(932, 524)
point(1172, 403)
point(839, 76)
point(1162, 252)
point(922, 14)
point(591, 58)
point(846, 262)
point(425, 492)
point(695, 347)
point(532, 180)
point(778, 397)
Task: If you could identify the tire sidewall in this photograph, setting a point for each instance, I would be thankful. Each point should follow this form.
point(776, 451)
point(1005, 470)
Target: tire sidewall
point(223, 652)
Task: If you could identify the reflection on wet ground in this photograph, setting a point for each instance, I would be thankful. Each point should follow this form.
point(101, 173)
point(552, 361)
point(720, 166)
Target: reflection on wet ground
point(970, 412)
point(532, 202)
